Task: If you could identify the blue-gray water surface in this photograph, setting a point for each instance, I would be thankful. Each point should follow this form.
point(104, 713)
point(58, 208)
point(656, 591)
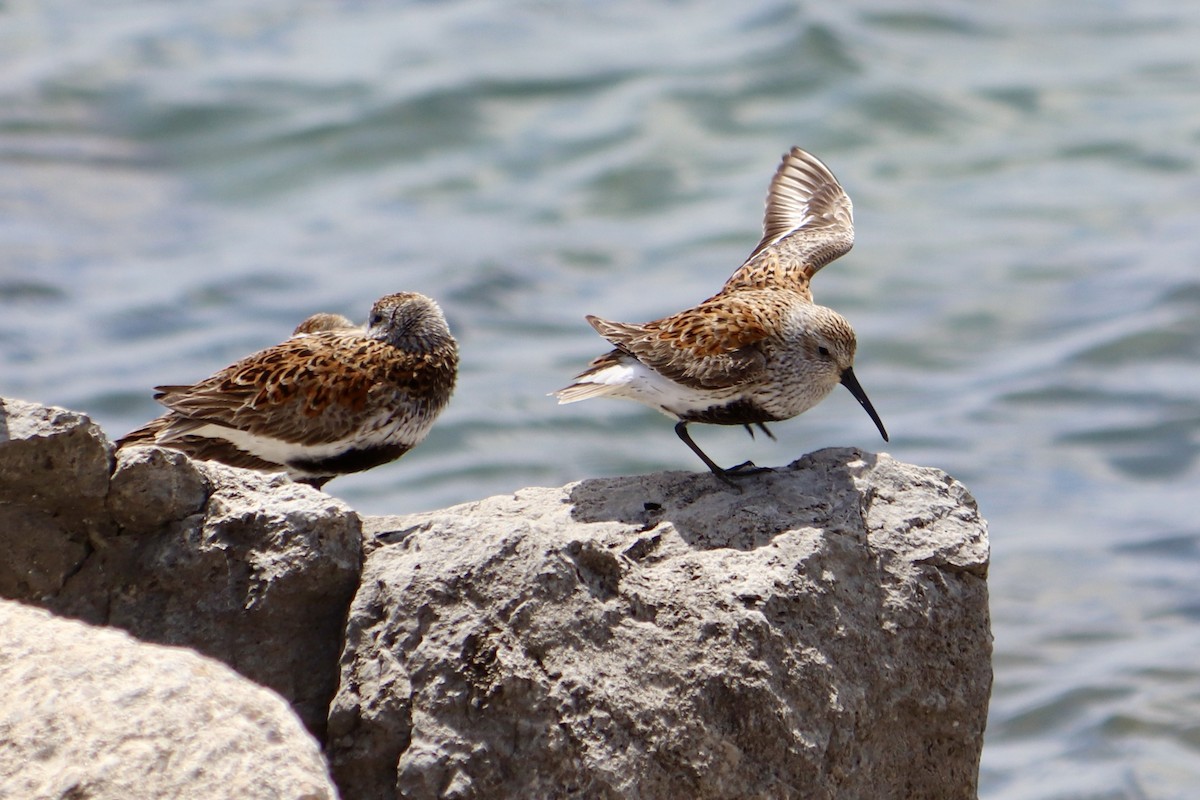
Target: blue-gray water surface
point(181, 183)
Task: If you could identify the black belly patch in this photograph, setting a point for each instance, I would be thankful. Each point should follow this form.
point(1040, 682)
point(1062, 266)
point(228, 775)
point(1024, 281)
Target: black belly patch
point(350, 461)
point(740, 412)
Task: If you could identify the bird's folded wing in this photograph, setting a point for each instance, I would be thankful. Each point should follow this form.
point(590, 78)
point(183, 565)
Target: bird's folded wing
point(307, 390)
point(715, 345)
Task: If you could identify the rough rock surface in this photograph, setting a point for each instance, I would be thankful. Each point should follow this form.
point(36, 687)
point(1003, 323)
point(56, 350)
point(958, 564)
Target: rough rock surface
point(92, 713)
point(54, 467)
point(248, 568)
point(823, 634)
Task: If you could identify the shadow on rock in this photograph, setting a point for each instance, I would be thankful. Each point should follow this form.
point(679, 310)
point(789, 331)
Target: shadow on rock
point(815, 491)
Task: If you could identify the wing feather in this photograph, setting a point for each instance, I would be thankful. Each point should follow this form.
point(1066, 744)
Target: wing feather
point(809, 222)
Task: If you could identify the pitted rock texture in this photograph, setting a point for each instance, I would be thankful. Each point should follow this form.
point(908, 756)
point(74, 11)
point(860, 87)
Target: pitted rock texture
point(822, 634)
point(248, 568)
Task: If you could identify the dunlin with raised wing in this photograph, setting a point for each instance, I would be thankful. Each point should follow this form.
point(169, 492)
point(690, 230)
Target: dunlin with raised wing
point(758, 351)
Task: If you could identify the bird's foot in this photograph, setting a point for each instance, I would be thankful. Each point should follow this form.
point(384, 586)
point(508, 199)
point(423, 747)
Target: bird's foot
point(747, 468)
point(743, 470)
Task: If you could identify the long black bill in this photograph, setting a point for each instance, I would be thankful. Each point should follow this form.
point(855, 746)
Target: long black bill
point(851, 383)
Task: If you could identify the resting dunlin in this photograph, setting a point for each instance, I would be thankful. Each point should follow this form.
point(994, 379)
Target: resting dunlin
point(332, 399)
point(760, 350)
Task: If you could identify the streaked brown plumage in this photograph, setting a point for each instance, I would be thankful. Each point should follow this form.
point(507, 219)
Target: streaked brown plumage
point(330, 400)
point(759, 350)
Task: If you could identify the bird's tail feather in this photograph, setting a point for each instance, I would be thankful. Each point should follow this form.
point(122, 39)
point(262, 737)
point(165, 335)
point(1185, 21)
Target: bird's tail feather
point(606, 375)
point(583, 391)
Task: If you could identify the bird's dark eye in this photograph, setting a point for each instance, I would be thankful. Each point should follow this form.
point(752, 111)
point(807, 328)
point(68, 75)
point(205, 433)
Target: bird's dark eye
point(823, 351)
point(375, 320)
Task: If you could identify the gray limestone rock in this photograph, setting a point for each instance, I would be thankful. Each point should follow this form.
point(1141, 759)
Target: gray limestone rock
point(91, 712)
point(248, 568)
point(55, 461)
point(54, 467)
point(153, 487)
point(259, 575)
point(822, 634)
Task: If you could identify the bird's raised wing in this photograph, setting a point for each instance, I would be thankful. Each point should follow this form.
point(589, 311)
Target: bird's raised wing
point(809, 221)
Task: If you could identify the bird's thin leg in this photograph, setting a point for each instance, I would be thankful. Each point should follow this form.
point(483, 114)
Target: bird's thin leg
point(682, 432)
point(750, 431)
point(762, 426)
point(725, 475)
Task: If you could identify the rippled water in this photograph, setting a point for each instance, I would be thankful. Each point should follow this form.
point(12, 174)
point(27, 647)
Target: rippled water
point(180, 183)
